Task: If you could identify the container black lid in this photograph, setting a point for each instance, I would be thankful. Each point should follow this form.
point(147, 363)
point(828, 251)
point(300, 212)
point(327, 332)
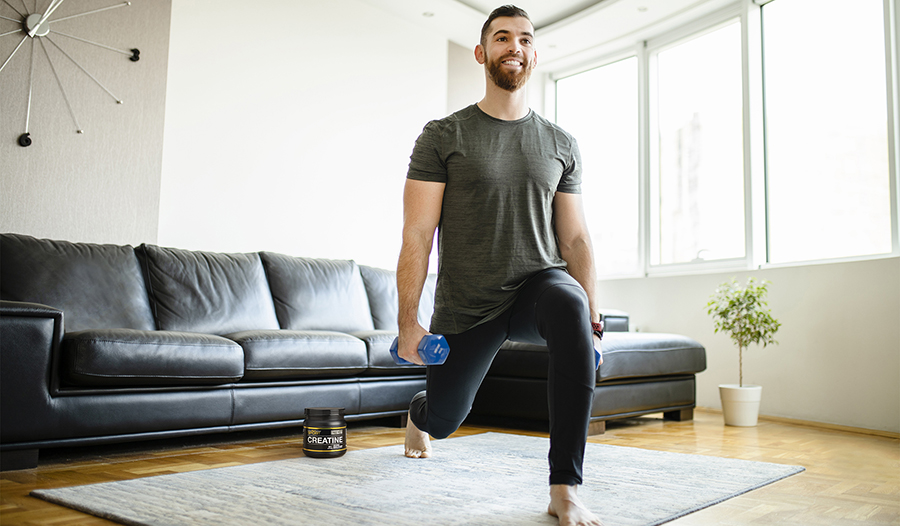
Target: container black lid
point(324, 411)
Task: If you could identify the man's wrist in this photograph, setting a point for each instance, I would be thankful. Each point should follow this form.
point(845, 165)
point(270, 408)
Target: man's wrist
point(408, 320)
point(597, 329)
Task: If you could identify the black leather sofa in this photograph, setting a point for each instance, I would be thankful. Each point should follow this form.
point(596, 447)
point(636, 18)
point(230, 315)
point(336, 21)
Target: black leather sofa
point(111, 343)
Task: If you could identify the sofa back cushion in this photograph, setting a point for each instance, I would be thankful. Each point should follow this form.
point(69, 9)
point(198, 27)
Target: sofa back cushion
point(317, 294)
point(207, 292)
point(381, 287)
point(96, 286)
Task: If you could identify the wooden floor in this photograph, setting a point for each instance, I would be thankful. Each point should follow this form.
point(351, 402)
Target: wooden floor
point(850, 477)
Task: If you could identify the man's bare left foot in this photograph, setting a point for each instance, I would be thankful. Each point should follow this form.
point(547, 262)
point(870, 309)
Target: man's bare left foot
point(567, 507)
point(418, 443)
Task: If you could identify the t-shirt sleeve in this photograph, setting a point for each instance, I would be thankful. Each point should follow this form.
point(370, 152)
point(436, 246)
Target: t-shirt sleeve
point(426, 162)
point(570, 182)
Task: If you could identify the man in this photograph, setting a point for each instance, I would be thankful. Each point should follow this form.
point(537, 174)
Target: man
point(502, 186)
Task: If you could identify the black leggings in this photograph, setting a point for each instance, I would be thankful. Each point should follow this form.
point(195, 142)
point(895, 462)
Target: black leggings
point(552, 309)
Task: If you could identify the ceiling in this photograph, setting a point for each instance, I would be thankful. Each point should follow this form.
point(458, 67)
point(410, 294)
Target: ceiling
point(566, 30)
point(542, 12)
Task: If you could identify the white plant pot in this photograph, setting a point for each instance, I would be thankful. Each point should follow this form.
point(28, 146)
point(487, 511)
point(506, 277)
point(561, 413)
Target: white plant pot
point(740, 405)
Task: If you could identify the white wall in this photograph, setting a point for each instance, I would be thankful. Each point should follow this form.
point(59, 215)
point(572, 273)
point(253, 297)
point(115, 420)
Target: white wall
point(465, 77)
point(838, 356)
point(289, 125)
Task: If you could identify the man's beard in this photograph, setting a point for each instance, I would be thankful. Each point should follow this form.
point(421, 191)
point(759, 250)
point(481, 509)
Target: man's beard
point(509, 80)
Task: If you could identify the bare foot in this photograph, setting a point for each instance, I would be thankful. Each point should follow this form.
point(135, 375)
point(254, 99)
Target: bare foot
point(567, 507)
point(418, 443)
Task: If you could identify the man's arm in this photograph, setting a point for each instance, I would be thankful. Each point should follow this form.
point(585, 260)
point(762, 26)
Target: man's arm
point(575, 246)
point(422, 202)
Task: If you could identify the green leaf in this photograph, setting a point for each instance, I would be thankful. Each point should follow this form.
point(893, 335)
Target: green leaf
point(743, 313)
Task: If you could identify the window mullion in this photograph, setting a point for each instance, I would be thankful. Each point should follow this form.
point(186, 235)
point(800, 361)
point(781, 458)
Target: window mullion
point(892, 63)
point(644, 205)
point(755, 223)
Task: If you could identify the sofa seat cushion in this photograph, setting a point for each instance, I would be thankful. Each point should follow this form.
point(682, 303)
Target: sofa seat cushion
point(285, 355)
point(129, 358)
point(97, 286)
point(378, 347)
point(637, 354)
point(625, 355)
point(207, 292)
point(317, 294)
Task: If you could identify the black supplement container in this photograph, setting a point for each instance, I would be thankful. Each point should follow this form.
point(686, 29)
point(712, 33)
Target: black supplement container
point(324, 432)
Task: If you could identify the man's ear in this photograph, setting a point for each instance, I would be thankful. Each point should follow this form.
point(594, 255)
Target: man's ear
point(479, 54)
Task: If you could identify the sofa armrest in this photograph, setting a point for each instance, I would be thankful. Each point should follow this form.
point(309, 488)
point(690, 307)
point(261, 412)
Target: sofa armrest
point(24, 309)
point(614, 320)
point(30, 336)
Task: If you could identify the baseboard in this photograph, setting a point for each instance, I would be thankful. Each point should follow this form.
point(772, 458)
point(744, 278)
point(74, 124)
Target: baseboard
point(810, 423)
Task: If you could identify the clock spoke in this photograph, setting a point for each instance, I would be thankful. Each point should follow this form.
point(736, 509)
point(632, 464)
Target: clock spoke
point(122, 51)
point(11, 19)
point(13, 53)
point(24, 139)
point(59, 83)
point(12, 33)
point(14, 9)
point(86, 72)
point(123, 4)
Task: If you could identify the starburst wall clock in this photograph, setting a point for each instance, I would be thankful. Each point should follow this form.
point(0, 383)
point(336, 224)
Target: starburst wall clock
point(36, 33)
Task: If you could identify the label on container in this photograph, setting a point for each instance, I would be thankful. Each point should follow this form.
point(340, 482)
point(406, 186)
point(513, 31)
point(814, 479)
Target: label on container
point(325, 439)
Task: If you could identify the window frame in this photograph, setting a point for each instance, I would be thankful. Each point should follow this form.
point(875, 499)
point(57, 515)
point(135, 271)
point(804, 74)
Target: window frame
point(891, 94)
point(754, 163)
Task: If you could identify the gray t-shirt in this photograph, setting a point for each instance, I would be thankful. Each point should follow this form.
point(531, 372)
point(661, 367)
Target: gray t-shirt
point(496, 228)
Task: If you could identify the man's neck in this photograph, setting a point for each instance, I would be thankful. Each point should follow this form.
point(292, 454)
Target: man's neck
point(504, 105)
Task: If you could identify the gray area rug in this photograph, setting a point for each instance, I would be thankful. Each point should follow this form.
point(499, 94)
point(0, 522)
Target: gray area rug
point(487, 479)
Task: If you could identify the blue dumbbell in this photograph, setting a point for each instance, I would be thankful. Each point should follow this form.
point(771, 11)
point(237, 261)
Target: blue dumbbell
point(433, 350)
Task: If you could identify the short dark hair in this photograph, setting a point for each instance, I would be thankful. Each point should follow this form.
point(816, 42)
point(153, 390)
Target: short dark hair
point(504, 10)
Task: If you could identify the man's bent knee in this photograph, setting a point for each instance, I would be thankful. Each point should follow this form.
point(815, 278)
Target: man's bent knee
point(437, 427)
point(570, 300)
point(429, 422)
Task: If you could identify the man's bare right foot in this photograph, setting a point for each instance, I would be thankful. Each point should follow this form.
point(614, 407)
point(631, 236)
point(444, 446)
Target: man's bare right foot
point(567, 507)
point(418, 443)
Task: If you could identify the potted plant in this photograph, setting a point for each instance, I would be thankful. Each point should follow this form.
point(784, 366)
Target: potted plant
point(743, 313)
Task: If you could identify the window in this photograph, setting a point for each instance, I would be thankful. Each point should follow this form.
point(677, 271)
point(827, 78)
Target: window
point(600, 108)
point(758, 134)
point(828, 175)
point(697, 175)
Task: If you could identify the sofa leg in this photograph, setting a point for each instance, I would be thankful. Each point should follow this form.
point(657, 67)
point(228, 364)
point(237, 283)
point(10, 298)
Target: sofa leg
point(404, 419)
point(681, 415)
point(597, 428)
point(18, 459)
